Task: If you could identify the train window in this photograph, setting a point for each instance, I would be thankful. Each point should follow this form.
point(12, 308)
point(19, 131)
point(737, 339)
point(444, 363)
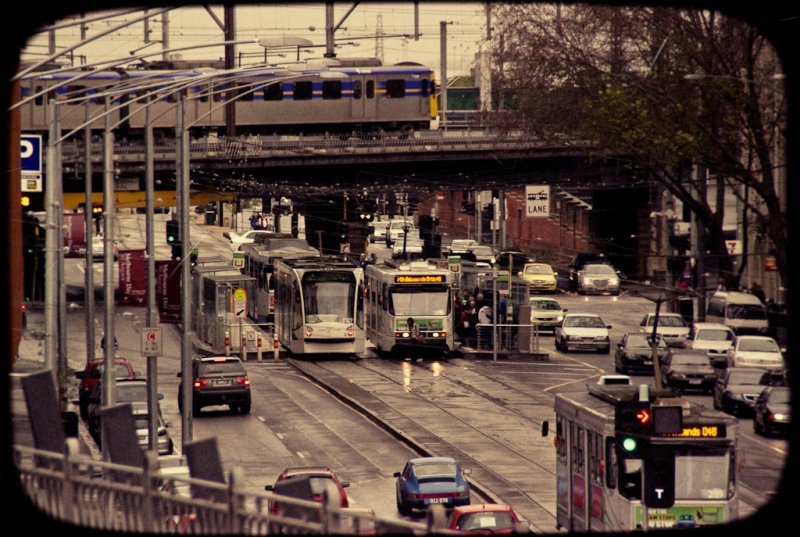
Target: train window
point(273, 92)
point(331, 89)
point(248, 92)
point(40, 99)
point(396, 89)
point(202, 93)
point(425, 87)
point(370, 89)
point(357, 89)
point(302, 91)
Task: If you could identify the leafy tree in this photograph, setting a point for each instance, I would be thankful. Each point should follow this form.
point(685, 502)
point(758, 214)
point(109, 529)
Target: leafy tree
point(681, 94)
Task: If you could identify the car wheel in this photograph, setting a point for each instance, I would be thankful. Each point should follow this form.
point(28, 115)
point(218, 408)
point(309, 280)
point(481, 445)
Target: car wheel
point(244, 408)
point(564, 346)
point(717, 405)
point(756, 426)
point(402, 509)
point(196, 408)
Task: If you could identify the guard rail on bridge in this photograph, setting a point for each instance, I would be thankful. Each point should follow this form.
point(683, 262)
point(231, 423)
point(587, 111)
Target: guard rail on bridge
point(100, 495)
point(282, 150)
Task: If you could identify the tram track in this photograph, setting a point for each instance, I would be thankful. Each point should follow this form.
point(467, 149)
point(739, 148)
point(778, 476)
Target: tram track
point(444, 415)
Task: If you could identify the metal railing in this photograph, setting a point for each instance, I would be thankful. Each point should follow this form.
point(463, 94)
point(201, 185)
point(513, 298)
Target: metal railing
point(522, 338)
point(79, 490)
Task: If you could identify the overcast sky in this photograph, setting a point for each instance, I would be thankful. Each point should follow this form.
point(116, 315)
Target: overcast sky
point(191, 25)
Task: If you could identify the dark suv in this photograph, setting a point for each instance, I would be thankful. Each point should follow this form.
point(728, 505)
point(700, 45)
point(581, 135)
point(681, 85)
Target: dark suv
point(218, 380)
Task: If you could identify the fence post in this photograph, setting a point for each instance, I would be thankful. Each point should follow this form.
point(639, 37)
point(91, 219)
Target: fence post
point(258, 344)
point(436, 518)
point(275, 346)
point(149, 475)
point(72, 450)
point(227, 343)
point(234, 504)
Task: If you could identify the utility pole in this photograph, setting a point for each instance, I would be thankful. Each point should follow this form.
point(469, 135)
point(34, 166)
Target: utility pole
point(230, 62)
point(443, 87)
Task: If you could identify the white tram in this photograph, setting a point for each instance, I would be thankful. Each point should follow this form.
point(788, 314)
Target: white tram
point(259, 263)
point(626, 460)
point(399, 291)
point(319, 308)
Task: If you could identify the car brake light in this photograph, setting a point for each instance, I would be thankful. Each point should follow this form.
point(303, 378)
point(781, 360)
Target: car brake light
point(243, 380)
point(200, 383)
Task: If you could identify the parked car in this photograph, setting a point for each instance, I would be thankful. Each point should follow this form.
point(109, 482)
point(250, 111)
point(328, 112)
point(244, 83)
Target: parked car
point(578, 262)
point(484, 518)
point(540, 277)
point(672, 328)
point(635, 353)
point(772, 412)
point(319, 478)
point(218, 380)
point(737, 388)
point(713, 338)
point(427, 481)
point(133, 391)
point(92, 374)
point(687, 369)
point(396, 229)
point(755, 351)
point(598, 279)
point(583, 331)
point(546, 312)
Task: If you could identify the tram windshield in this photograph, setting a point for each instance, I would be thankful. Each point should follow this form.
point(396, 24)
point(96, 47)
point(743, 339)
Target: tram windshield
point(411, 302)
point(329, 297)
point(703, 475)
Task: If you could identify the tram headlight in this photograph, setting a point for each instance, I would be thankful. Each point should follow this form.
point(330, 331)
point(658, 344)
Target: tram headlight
point(406, 334)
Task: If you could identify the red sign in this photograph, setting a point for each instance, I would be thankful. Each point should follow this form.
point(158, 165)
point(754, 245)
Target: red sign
point(132, 289)
point(74, 234)
point(168, 291)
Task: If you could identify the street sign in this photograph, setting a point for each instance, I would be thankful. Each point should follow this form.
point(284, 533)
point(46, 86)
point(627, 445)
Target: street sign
point(30, 147)
point(537, 200)
point(30, 150)
point(240, 303)
point(151, 342)
point(238, 259)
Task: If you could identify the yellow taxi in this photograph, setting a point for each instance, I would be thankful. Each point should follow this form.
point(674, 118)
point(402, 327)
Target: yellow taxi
point(540, 277)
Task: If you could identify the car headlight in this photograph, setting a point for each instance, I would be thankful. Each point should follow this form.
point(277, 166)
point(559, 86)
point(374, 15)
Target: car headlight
point(613, 281)
point(572, 337)
point(678, 376)
point(601, 338)
point(560, 318)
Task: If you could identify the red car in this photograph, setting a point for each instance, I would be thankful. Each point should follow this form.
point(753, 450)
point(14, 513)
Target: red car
point(93, 373)
point(318, 478)
point(484, 519)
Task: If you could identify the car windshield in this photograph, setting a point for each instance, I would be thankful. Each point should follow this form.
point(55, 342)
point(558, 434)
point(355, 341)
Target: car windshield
point(485, 521)
point(668, 320)
point(641, 340)
point(749, 376)
point(713, 334)
point(538, 269)
point(689, 359)
point(780, 396)
point(217, 368)
point(758, 345)
point(548, 305)
point(599, 269)
point(127, 393)
point(584, 322)
point(745, 311)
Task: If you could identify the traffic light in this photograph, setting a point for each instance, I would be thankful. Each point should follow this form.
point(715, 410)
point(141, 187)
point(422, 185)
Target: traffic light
point(173, 233)
point(468, 208)
point(659, 477)
point(634, 422)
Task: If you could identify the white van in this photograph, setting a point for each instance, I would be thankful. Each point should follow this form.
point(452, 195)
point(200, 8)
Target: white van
point(378, 231)
point(742, 312)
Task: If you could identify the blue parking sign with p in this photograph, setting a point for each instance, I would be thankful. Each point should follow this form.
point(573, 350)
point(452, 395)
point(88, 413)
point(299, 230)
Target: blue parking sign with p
point(31, 153)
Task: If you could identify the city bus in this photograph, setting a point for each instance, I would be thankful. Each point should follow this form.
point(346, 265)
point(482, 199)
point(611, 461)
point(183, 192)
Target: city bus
point(417, 290)
point(630, 459)
point(319, 306)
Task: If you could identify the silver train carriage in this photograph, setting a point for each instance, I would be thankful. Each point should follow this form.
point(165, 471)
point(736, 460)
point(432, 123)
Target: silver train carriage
point(270, 100)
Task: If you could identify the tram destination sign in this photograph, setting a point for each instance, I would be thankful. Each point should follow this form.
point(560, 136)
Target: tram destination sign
point(706, 430)
point(419, 278)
